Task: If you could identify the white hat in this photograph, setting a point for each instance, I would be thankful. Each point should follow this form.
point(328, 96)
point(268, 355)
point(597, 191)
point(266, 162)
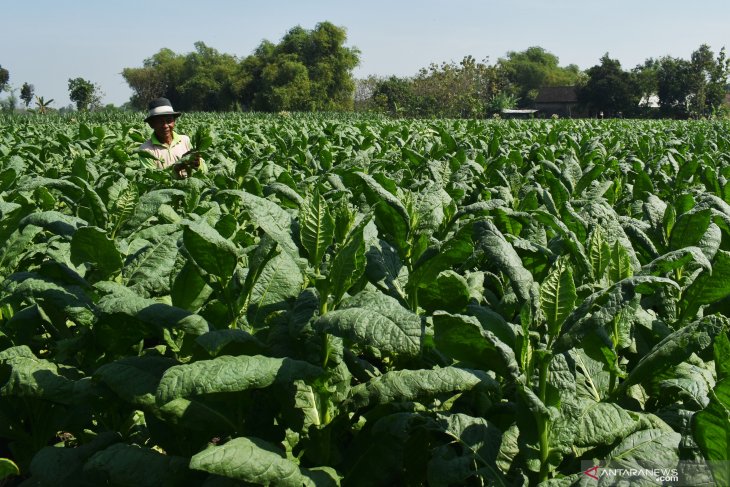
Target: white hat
point(160, 106)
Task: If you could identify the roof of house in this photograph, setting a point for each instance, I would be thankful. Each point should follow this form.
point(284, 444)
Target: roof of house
point(516, 111)
point(557, 94)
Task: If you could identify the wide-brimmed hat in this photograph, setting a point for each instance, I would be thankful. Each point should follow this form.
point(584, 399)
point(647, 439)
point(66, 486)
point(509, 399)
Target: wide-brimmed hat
point(160, 106)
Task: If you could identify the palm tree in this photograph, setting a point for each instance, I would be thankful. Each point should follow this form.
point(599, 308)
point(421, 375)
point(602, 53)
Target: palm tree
point(42, 104)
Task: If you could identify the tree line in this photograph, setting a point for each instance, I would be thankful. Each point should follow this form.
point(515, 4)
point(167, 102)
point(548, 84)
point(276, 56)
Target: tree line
point(308, 70)
point(312, 70)
point(682, 88)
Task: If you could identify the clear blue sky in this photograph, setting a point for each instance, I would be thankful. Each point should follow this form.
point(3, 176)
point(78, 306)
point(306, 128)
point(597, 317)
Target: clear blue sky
point(46, 42)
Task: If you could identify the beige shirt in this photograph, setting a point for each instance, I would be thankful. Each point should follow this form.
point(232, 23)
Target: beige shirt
point(167, 155)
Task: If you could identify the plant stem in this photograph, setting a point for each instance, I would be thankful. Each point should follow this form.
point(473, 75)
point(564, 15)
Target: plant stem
point(543, 424)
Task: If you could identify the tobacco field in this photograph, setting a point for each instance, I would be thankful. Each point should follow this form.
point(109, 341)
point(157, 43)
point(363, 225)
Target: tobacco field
point(362, 301)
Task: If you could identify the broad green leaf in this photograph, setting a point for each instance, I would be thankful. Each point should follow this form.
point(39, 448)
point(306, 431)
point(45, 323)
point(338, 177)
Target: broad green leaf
point(386, 270)
point(18, 351)
point(189, 290)
point(195, 415)
point(596, 314)
point(63, 467)
point(450, 253)
point(602, 424)
point(472, 451)
point(148, 270)
point(54, 222)
point(677, 347)
point(619, 267)
point(93, 210)
point(449, 292)
point(375, 320)
point(8, 468)
point(254, 461)
point(430, 205)
point(122, 464)
point(15, 247)
point(135, 379)
point(708, 287)
point(558, 295)
point(68, 188)
point(316, 228)
point(464, 339)
point(230, 342)
point(278, 284)
point(646, 449)
point(711, 426)
point(348, 264)
point(213, 253)
point(122, 303)
point(230, 374)
point(267, 215)
point(675, 259)
point(592, 381)
point(391, 216)
point(420, 385)
point(147, 206)
point(689, 229)
point(31, 377)
point(502, 257)
point(68, 300)
point(388, 199)
point(90, 245)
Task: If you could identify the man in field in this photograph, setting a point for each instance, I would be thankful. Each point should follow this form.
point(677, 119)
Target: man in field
point(167, 146)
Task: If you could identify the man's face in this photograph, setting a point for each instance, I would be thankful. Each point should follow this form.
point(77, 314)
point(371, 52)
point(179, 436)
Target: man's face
point(163, 125)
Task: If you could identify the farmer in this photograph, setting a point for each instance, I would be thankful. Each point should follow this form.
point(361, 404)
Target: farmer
point(167, 146)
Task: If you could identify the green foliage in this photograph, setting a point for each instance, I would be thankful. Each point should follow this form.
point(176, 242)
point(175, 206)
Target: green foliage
point(4, 78)
point(363, 301)
point(533, 68)
point(307, 70)
point(610, 89)
point(84, 93)
point(463, 90)
point(26, 93)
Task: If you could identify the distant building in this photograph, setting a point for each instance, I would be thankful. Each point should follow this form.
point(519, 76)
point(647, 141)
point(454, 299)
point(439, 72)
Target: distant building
point(558, 100)
point(518, 113)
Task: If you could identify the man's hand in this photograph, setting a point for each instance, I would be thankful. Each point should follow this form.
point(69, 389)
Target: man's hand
point(180, 170)
point(192, 159)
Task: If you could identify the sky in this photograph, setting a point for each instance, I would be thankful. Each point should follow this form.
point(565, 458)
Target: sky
point(47, 42)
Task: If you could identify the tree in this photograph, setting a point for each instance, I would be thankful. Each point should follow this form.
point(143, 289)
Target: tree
point(610, 89)
point(84, 93)
point(4, 78)
point(394, 95)
point(42, 104)
point(26, 93)
point(460, 90)
point(364, 92)
point(274, 76)
point(708, 81)
point(645, 79)
point(533, 68)
point(674, 86)
point(307, 70)
point(207, 80)
point(463, 90)
point(159, 76)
